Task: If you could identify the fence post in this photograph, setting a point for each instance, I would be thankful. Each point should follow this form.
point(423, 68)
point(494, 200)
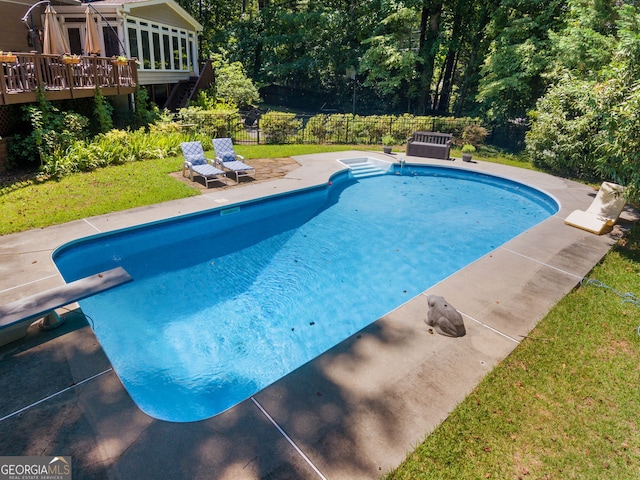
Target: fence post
point(346, 129)
point(258, 129)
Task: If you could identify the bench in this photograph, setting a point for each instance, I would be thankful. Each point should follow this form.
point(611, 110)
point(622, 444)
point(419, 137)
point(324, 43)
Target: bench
point(429, 145)
point(16, 317)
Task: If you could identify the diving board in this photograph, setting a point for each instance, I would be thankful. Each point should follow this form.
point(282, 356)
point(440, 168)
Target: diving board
point(16, 317)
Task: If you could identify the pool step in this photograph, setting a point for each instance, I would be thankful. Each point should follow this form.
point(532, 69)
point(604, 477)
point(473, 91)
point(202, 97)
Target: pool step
point(365, 169)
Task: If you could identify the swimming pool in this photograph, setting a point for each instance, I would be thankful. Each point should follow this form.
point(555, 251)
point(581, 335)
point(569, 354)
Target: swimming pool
point(225, 302)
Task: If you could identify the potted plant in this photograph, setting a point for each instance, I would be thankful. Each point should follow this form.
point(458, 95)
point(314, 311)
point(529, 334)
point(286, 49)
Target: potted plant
point(467, 152)
point(120, 60)
point(70, 59)
point(387, 143)
point(7, 57)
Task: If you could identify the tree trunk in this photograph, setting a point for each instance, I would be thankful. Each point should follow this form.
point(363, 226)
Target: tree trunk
point(478, 42)
point(451, 59)
point(428, 47)
point(447, 83)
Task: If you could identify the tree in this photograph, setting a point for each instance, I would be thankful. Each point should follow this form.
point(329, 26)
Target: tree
point(513, 76)
point(389, 62)
point(586, 46)
point(587, 125)
point(430, 14)
point(232, 84)
point(565, 129)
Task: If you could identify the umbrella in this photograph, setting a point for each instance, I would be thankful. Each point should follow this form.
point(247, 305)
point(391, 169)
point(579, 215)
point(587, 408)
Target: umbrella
point(91, 36)
point(54, 40)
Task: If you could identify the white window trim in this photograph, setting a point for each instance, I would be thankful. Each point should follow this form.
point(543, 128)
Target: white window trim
point(172, 31)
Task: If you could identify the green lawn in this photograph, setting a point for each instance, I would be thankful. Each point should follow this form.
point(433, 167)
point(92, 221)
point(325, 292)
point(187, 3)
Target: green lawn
point(31, 204)
point(36, 205)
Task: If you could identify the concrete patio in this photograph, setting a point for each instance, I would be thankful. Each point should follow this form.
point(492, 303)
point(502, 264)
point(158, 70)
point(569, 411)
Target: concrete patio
point(352, 413)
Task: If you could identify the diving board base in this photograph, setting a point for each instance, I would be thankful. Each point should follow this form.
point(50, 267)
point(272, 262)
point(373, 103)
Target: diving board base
point(51, 321)
point(16, 317)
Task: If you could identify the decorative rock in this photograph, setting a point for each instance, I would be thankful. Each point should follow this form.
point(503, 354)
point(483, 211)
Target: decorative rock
point(444, 317)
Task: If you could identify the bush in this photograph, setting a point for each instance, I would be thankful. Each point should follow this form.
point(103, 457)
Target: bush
point(146, 112)
point(223, 121)
point(53, 131)
point(618, 154)
point(280, 127)
point(348, 128)
point(103, 112)
point(474, 135)
point(468, 148)
point(233, 85)
point(117, 147)
point(565, 129)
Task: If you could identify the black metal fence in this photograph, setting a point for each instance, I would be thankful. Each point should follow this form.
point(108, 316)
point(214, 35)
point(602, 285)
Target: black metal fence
point(508, 137)
point(254, 127)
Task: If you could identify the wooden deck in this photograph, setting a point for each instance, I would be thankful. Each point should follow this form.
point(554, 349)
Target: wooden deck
point(20, 78)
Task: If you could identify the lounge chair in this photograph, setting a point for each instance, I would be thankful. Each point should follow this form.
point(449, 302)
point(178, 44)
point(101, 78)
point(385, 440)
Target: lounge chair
point(197, 164)
point(227, 159)
point(603, 211)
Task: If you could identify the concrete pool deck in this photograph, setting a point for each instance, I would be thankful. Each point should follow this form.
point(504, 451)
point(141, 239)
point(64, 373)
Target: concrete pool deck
point(352, 413)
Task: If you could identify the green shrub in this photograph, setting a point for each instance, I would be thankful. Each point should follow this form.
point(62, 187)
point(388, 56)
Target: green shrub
point(224, 121)
point(474, 134)
point(280, 128)
point(468, 148)
point(348, 128)
point(103, 112)
point(233, 85)
point(146, 112)
point(565, 130)
point(618, 151)
point(117, 147)
point(53, 132)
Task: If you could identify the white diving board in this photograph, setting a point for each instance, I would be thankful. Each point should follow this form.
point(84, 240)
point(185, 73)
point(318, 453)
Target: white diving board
point(16, 317)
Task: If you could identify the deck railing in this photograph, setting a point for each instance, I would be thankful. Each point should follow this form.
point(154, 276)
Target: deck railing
point(63, 77)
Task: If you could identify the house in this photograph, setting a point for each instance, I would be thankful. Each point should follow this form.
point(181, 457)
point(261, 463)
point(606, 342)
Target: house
point(158, 38)
point(160, 34)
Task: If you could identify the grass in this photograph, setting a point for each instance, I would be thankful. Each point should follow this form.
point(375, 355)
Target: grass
point(31, 204)
point(564, 404)
point(278, 151)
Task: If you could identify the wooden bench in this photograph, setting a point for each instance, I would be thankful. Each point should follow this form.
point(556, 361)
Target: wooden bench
point(429, 145)
point(16, 317)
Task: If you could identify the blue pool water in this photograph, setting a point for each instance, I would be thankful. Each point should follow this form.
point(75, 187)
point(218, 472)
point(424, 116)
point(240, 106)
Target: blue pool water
point(226, 302)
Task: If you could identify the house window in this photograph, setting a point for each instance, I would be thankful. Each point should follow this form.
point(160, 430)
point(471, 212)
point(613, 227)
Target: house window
point(133, 42)
point(146, 51)
point(157, 56)
point(74, 40)
point(176, 53)
point(185, 54)
point(167, 52)
point(111, 43)
point(160, 47)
